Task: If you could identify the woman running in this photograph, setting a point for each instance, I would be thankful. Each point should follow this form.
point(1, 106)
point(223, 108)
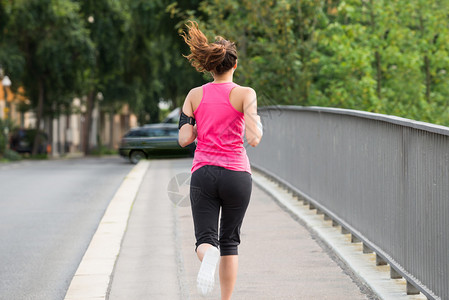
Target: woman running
point(218, 114)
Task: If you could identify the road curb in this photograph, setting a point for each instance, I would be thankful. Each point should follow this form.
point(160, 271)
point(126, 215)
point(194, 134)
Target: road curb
point(92, 278)
point(363, 265)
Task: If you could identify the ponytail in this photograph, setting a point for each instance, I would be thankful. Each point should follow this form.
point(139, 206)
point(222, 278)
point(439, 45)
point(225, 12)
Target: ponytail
point(218, 57)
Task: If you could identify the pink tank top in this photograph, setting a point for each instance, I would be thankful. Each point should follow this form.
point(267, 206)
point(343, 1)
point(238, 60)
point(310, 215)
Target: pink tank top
point(220, 130)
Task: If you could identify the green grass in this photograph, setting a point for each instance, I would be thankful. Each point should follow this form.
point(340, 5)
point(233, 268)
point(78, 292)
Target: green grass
point(103, 150)
point(10, 155)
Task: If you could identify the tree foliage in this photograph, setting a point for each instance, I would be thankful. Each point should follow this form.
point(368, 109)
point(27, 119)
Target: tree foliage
point(156, 67)
point(129, 51)
point(381, 56)
point(52, 39)
point(108, 25)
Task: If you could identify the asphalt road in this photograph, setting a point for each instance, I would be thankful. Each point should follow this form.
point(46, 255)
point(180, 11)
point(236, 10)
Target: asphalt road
point(49, 211)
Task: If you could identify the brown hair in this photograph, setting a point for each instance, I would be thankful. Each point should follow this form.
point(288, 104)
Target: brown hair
point(217, 57)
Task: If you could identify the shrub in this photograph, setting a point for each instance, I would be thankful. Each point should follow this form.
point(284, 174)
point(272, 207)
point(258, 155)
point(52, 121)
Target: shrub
point(103, 150)
point(5, 126)
point(11, 155)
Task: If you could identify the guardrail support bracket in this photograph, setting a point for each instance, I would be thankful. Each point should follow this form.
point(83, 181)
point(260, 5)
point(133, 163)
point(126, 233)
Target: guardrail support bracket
point(411, 289)
point(366, 249)
point(380, 261)
point(354, 239)
point(394, 274)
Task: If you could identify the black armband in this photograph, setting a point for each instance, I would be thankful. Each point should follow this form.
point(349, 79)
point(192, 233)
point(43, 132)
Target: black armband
point(184, 119)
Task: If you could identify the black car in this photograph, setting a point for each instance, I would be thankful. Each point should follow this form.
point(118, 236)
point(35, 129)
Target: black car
point(22, 141)
point(153, 139)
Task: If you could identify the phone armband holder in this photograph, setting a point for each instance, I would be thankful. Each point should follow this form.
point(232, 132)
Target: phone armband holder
point(184, 119)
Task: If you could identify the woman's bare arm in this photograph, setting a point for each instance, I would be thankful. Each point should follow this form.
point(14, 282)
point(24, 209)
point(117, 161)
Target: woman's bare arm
point(187, 133)
point(253, 125)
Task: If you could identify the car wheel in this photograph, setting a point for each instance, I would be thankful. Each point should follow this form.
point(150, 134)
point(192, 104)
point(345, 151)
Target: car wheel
point(136, 156)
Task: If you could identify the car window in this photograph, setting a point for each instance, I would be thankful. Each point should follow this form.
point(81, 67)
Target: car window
point(135, 133)
point(155, 132)
point(131, 134)
point(172, 132)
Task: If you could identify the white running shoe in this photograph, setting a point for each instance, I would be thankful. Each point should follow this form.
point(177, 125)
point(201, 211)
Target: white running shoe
point(206, 275)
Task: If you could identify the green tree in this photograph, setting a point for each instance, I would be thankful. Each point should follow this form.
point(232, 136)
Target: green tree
point(108, 22)
point(387, 57)
point(382, 56)
point(275, 41)
point(264, 42)
point(55, 44)
point(344, 60)
point(144, 65)
point(11, 60)
point(156, 67)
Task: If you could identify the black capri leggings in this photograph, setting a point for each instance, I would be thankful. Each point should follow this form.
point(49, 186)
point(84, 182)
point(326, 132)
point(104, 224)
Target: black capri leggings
point(212, 187)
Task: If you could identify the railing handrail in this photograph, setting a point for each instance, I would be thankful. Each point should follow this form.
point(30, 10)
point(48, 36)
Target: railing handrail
point(383, 178)
point(439, 129)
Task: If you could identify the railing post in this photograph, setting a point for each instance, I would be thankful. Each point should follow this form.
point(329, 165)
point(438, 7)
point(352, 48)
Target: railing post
point(366, 249)
point(355, 239)
point(411, 289)
point(380, 261)
point(394, 274)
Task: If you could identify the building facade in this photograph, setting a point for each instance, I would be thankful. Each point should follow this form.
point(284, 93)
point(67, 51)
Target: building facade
point(66, 132)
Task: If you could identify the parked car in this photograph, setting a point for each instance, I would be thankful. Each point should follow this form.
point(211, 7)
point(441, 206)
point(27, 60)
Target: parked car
point(22, 141)
point(154, 139)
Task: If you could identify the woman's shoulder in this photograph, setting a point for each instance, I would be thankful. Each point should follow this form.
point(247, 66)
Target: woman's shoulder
point(244, 91)
point(196, 92)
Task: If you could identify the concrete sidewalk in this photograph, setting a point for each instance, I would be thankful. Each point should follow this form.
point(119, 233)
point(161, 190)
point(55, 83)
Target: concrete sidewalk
point(279, 257)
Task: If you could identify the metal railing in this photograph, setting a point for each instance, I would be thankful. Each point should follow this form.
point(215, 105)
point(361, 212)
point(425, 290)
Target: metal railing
point(384, 179)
